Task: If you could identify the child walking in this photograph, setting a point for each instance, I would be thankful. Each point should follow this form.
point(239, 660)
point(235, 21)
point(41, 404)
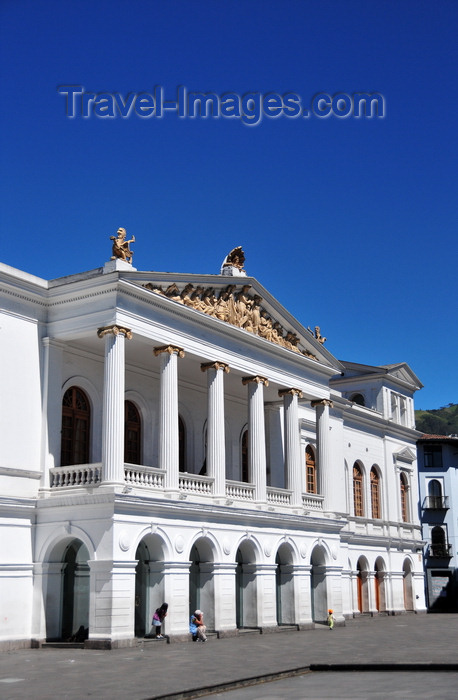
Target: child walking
point(331, 619)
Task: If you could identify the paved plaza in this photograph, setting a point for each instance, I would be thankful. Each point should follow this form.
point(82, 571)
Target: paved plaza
point(421, 649)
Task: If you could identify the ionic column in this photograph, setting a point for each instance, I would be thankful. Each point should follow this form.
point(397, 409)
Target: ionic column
point(256, 435)
point(292, 444)
point(113, 403)
point(216, 444)
point(324, 467)
point(168, 414)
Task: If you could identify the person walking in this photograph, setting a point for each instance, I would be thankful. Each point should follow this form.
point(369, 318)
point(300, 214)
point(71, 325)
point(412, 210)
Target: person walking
point(331, 619)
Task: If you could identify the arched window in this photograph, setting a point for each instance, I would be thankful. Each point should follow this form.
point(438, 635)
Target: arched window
point(132, 434)
point(435, 494)
point(76, 418)
point(358, 399)
point(310, 467)
point(439, 547)
point(181, 445)
point(375, 493)
point(244, 457)
point(404, 498)
point(358, 490)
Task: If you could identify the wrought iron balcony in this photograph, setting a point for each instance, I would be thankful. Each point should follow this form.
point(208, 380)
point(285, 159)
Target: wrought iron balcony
point(436, 503)
point(439, 551)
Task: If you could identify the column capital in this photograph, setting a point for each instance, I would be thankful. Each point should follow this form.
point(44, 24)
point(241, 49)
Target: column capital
point(322, 402)
point(114, 330)
point(171, 349)
point(215, 365)
point(291, 392)
point(255, 380)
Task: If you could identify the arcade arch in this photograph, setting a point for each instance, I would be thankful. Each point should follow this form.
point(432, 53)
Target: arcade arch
point(284, 585)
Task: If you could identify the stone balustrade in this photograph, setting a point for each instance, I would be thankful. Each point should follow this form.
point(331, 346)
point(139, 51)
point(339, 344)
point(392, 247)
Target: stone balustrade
point(75, 475)
point(193, 483)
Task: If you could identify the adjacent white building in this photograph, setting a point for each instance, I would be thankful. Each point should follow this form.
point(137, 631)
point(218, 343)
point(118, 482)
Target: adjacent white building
point(182, 438)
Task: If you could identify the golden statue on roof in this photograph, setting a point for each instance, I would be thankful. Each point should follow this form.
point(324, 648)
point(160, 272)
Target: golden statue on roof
point(121, 248)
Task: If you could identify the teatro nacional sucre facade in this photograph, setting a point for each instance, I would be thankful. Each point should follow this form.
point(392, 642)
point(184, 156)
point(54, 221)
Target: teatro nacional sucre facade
point(183, 438)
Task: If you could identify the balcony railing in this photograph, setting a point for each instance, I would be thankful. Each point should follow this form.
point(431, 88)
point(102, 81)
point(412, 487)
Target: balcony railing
point(76, 475)
point(312, 501)
point(239, 490)
point(139, 476)
point(279, 497)
point(436, 503)
point(440, 550)
point(194, 483)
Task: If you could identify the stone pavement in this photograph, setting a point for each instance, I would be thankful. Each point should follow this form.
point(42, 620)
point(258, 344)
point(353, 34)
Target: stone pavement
point(157, 670)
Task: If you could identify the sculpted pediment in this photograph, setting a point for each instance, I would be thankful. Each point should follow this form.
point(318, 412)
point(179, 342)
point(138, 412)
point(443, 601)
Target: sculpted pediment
point(238, 305)
point(405, 455)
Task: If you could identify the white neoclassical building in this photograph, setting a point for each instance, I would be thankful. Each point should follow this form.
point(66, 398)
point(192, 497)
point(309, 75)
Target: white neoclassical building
point(182, 438)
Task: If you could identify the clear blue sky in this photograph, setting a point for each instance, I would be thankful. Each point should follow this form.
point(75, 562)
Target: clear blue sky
point(350, 223)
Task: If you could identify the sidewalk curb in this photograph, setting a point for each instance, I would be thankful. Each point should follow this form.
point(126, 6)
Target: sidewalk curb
point(231, 685)
point(300, 671)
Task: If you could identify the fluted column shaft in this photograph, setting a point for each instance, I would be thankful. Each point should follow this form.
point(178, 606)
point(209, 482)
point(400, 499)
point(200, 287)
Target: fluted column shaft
point(216, 443)
point(324, 466)
point(292, 444)
point(113, 403)
point(256, 435)
point(168, 414)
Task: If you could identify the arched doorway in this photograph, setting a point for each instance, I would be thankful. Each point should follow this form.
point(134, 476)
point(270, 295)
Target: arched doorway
point(149, 582)
point(75, 592)
point(284, 585)
point(319, 597)
point(201, 581)
point(246, 608)
point(362, 568)
point(379, 583)
point(407, 585)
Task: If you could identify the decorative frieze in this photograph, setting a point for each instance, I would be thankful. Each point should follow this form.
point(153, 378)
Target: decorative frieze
point(234, 306)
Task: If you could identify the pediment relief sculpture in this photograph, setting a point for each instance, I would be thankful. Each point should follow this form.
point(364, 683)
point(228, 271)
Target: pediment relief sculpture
point(237, 307)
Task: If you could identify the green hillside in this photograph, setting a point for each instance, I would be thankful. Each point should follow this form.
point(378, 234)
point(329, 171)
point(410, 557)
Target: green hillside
point(439, 421)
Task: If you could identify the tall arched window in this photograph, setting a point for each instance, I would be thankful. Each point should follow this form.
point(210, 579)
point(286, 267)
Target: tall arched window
point(76, 419)
point(132, 434)
point(181, 445)
point(435, 494)
point(439, 547)
point(244, 457)
point(310, 467)
point(404, 498)
point(358, 501)
point(375, 493)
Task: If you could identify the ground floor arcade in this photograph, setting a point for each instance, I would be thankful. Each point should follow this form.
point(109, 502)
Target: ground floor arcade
point(242, 577)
